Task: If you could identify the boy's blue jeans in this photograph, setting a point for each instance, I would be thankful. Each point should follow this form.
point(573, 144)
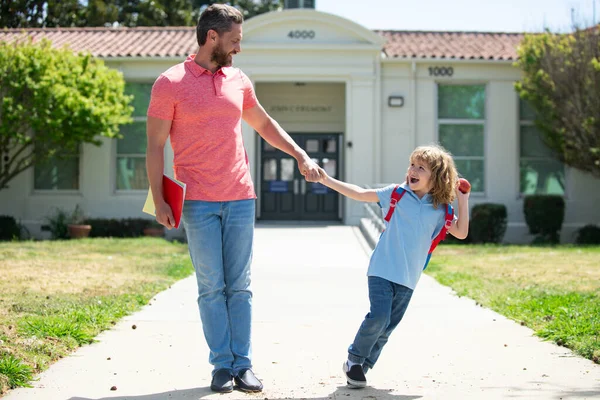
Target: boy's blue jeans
point(389, 301)
point(220, 237)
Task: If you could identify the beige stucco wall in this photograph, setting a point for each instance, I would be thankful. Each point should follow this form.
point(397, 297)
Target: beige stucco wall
point(97, 194)
point(342, 66)
point(286, 102)
point(405, 128)
point(343, 54)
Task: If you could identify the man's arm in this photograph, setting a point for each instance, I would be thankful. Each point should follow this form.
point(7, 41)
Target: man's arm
point(157, 132)
point(274, 134)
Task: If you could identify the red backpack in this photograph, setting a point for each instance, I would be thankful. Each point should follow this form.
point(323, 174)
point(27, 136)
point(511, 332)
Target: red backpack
point(449, 217)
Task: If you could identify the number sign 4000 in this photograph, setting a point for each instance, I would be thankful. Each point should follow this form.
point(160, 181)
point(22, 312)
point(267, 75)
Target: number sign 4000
point(297, 34)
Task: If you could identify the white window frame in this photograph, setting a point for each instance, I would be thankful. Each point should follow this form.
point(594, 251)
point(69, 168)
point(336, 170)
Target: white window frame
point(60, 191)
point(116, 155)
point(460, 121)
point(530, 122)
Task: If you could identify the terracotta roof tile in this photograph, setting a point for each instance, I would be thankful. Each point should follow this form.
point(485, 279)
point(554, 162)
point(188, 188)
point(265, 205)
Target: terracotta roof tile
point(451, 45)
point(180, 41)
point(118, 42)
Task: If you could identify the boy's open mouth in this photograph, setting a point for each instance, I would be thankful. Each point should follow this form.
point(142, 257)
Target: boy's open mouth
point(413, 180)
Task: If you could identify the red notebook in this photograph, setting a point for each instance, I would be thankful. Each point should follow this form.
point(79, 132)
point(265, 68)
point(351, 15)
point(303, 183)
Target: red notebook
point(174, 195)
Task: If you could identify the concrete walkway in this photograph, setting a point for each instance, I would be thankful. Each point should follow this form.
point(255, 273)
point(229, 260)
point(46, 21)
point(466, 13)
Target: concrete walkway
point(310, 296)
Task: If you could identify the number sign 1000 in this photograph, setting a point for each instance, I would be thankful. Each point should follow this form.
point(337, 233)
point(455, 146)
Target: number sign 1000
point(441, 71)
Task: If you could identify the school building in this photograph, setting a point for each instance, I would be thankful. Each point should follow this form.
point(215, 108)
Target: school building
point(358, 101)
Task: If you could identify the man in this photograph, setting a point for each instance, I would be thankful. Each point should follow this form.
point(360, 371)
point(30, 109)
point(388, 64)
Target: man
point(200, 104)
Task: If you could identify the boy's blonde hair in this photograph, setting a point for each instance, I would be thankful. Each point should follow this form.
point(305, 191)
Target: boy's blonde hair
point(444, 176)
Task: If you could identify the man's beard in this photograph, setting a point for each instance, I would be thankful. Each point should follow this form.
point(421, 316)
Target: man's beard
point(221, 58)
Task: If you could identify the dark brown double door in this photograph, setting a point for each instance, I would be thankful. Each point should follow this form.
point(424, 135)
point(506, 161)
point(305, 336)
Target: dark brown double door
point(285, 194)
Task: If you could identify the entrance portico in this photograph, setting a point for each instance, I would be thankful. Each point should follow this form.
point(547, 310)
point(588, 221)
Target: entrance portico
point(318, 76)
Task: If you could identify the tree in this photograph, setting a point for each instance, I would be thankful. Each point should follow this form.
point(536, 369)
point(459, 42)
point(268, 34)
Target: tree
point(173, 13)
point(252, 8)
point(130, 13)
point(561, 82)
point(249, 8)
point(133, 13)
point(102, 13)
point(21, 13)
point(52, 101)
point(65, 13)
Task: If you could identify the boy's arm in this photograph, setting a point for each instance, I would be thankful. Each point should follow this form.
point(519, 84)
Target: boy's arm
point(349, 190)
point(460, 226)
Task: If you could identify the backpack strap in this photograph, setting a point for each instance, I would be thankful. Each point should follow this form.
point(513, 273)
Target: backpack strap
point(448, 218)
point(394, 200)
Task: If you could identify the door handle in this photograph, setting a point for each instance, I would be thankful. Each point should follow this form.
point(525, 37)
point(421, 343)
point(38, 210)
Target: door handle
point(303, 186)
point(295, 186)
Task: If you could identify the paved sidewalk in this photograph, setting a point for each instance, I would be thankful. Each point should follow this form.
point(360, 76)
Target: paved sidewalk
point(310, 296)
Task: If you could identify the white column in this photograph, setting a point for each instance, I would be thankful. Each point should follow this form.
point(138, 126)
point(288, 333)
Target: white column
point(360, 158)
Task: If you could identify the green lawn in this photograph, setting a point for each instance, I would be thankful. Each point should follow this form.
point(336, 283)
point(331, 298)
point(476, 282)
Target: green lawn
point(553, 290)
point(58, 295)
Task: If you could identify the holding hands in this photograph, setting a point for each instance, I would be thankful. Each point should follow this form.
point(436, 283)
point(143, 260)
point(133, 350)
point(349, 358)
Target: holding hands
point(311, 170)
point(322, 176)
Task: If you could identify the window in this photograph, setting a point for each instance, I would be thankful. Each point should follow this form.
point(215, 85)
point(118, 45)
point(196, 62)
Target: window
point(131, 149)
point(461, 129)
point(540, 171)
point(57, 174)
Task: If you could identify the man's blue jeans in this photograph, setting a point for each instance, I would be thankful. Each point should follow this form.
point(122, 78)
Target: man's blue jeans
point(220, 237)
point(389, 301)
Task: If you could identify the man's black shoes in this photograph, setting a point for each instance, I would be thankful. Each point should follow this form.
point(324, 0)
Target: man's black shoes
point(247, 382)
point(221, 381)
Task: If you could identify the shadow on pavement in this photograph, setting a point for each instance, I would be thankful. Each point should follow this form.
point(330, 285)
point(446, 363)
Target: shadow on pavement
point(342, 392)
point(295, 224)
point(555, 392)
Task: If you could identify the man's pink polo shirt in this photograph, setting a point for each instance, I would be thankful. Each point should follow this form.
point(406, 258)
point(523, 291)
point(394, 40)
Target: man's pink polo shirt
point(206, 132)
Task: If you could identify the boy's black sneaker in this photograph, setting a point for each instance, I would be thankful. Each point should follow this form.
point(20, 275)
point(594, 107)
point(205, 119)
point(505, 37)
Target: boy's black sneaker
point(355, 377)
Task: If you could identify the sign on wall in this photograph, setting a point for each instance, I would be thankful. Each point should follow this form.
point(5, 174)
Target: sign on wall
point(441, 71)
point(298, 108)
point(304, 102)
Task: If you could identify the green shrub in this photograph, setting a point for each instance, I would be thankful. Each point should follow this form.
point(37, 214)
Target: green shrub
point(134, 227)
point(452, 240)
point(488, 223)
point(57, 224)
point(105, 227)
point(121, 228)
point(77, 217)
point(589, 234)
point(9, 228)
point(544, 215)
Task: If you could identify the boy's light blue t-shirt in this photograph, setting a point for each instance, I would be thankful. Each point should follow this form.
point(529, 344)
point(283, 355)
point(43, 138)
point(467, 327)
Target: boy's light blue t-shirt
point(401, 251)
